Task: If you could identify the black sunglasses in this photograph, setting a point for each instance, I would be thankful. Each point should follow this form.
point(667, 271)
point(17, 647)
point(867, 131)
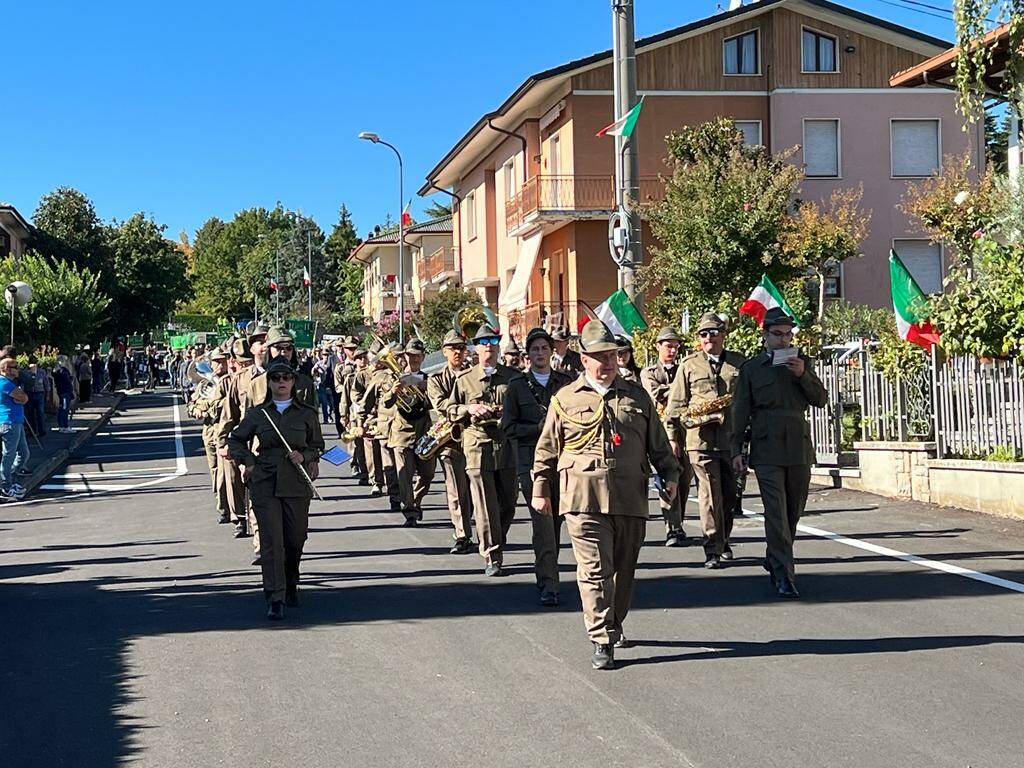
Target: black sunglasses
point(708, 334)
point(281, 377)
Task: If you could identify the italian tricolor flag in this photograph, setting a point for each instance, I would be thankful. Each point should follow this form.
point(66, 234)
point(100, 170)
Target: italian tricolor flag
point(764, 297)
point(908, 301)
point(620, 314)
point(624, 125)
point(305, 276)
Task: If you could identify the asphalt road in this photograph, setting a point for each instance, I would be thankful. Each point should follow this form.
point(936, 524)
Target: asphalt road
point(132, 630)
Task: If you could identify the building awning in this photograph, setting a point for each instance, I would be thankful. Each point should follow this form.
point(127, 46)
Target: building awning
point(515, 293)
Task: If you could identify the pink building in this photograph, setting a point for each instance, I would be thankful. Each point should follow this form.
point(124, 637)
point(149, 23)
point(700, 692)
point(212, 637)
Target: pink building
point(533, 198)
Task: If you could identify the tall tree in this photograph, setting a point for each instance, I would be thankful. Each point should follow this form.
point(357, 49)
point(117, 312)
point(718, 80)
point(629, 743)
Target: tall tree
point(437, 210)
point(725, 208)
point(68, 229)
point(345, 298)
point(150, 272)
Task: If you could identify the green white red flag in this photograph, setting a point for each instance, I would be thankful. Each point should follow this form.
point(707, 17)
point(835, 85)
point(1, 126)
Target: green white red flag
point(765, 296)
point(909, 304)
point(620, 314)
point(624, 125)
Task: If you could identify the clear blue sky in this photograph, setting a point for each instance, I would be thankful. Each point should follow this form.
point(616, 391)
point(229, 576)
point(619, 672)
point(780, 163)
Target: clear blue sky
point(190, 109)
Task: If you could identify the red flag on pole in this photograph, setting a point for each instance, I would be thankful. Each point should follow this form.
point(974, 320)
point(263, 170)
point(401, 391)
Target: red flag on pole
point(305, 276)
point(273, 284)
point(406, 216)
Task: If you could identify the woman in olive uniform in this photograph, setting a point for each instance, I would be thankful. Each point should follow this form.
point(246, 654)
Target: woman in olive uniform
point(280, 494)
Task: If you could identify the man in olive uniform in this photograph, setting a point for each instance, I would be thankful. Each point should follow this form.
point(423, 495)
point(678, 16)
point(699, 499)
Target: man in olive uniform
point(377, 403)
point(344, 370)
point(526, 405)
point(773, 394)
point(477, 401)
point(453, 460)
point(512, 356)
point(354, 397)
point(565, 359)
point(599, 436)
point(703, 376)
point(208, 409)
point(657, 380)
point(414, 474)
point(233, 487)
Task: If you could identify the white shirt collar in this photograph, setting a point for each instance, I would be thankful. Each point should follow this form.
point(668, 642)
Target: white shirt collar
point(601, 389)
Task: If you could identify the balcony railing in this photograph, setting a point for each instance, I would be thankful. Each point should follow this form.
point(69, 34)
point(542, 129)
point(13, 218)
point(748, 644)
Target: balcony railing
point(546, 314)
point(422, 271)
point(571, 194)
point(440, 263)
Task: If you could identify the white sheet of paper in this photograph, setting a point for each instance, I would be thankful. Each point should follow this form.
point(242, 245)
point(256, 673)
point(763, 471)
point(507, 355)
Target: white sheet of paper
point(780, 356)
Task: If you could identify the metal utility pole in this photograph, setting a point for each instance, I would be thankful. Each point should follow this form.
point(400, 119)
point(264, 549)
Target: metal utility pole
point(627, 173)
point(373, 137)
point(309, 271)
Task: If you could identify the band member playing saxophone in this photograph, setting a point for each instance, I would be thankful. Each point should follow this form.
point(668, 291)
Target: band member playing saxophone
point(697, 416)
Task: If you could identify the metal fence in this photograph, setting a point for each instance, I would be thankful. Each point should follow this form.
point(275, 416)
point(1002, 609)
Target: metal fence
point(968, 407)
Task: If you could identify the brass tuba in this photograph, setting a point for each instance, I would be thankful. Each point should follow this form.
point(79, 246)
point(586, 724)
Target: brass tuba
point(467, 321)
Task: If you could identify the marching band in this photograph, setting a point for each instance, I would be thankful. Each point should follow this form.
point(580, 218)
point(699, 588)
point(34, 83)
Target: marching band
point(577, 432)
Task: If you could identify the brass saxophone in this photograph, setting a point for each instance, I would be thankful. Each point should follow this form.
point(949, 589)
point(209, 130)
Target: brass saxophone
point(712, 411)
point(441, 433)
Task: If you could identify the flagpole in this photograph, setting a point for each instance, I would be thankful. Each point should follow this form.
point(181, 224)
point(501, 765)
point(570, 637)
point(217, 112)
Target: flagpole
point(624, 67)
point(309, 260)
point(277, 289)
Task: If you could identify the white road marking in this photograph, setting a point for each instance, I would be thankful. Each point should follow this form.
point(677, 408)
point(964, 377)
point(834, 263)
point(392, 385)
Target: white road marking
point(154, 471)
point(180, 469)
point(924, 562)
point(86, 487)
point(107, 456)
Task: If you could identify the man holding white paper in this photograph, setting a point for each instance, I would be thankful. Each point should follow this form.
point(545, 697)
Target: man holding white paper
point(772, 395)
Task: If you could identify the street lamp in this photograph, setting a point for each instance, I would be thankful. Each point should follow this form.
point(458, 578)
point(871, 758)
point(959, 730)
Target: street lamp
point(373, 137)
point(17, 295)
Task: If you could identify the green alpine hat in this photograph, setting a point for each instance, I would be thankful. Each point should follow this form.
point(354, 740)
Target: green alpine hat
point(595, 337)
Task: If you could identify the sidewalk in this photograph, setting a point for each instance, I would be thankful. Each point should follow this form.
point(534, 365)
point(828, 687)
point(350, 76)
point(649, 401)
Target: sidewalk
point(54, 448)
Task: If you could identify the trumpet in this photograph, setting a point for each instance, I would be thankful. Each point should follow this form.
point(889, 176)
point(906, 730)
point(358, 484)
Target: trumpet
point(712, 411)
point(354, 432)
point(411, 401)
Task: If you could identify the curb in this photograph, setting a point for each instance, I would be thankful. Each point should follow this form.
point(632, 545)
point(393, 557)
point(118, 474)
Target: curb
point(45, 470)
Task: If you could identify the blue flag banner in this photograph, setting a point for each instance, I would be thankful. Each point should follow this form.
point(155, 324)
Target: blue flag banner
point(337, 456)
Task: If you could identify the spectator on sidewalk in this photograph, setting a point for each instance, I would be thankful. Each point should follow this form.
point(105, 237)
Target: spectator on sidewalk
point(115, 366)
point(64, 382)
point(12, 431)
point(97, 371)
point(34, 384)
point(83, 370)
point(153, 366)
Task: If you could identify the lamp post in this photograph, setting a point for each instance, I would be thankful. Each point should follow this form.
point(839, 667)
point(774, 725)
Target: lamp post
point(17, 294)
point(373, 137)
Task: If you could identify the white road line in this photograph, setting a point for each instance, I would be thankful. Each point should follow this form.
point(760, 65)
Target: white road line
point(86, 487)
point(108, 456)
point(180, 468)
point(924, 562)
point(116, 474)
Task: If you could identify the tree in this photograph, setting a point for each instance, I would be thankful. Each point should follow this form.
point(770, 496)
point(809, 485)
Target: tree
point(66, 228)
point(719, 225)
point(435, 315)
point(820, 237)
point(67, 307)
point(346, 296)
point(150, 271)
point(974, 74)
point(437, 210)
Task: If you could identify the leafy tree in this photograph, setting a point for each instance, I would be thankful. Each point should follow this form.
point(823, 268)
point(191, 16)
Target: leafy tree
point(150, 272)
point(66, 228)
point(67, 308)
point(820, 237)
point(720, 223)
point(974, 74)
point(434, 318)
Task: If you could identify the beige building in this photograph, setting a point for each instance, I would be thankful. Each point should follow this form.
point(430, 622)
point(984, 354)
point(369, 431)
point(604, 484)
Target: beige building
point(14, 232)
point(426, 245)
point(533, 198)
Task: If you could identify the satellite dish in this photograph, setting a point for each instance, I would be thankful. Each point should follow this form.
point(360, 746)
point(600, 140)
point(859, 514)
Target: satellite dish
point(18, 293)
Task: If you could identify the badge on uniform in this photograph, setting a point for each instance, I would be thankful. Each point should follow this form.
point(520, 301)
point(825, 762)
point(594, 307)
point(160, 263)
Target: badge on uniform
point(336, 456)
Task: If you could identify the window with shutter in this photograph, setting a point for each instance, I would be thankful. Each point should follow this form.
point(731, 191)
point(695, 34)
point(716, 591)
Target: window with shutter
point(923, 260)
point(914, 145)
point(751, 130)
point(821, 148)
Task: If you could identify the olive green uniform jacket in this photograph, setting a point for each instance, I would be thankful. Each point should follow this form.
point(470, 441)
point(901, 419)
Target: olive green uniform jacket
point(699, 381)
point(774, 402)
point(603, 478)
point(526, 405)
point(268, 459)
point(405, 432)
point(486, 446)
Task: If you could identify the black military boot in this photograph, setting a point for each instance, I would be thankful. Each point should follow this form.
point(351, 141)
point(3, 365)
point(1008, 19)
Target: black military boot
point(275, 611)
point(604, 656)
point(291, 597)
